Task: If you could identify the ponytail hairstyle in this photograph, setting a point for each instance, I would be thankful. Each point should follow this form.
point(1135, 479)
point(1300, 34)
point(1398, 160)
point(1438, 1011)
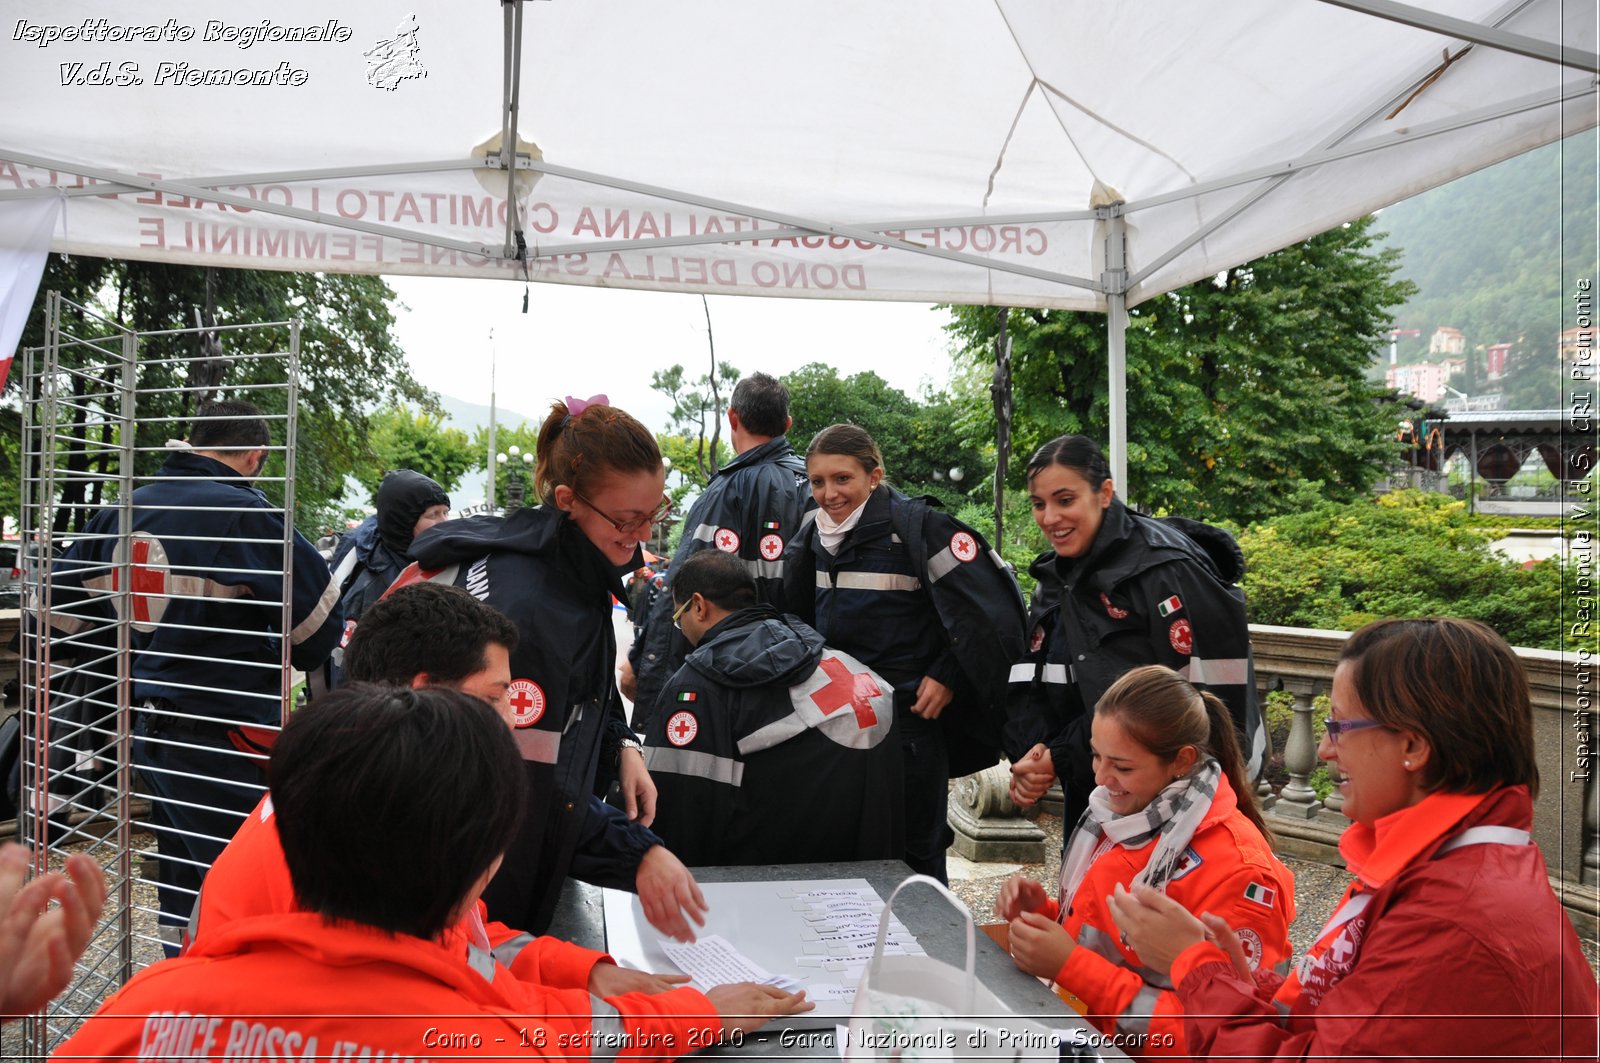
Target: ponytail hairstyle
point(580, 444)
point(1079, 453)
point(849, 441)
point(1163, 712)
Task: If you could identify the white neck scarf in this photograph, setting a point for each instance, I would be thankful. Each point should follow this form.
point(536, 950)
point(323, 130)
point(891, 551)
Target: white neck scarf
point(1171, 818)
point(833, 534)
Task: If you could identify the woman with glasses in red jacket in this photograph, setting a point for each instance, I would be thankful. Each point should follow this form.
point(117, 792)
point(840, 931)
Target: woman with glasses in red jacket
point(1450, 942)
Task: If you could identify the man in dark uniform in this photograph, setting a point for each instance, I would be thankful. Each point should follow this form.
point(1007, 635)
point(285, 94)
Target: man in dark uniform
point(205, 615)
point(751, 509)
point(770, 748)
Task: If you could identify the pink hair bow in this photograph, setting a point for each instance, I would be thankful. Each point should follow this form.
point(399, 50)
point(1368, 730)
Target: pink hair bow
point(575, 407)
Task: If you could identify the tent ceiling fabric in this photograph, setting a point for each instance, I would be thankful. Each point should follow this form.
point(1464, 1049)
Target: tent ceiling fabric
point(985, 132)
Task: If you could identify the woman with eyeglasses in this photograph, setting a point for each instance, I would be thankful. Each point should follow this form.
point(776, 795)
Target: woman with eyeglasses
point(921, 599)
point(553, 569)
point(1449, 943)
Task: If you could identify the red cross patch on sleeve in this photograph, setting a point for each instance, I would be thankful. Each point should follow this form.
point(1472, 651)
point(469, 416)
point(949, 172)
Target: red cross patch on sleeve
point(1182, 636)
point(527, 702)
point(682, 727)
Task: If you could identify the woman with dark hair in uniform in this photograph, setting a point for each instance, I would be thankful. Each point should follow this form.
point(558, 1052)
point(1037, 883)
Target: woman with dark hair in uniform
point(1117, 590)
point(918, 597)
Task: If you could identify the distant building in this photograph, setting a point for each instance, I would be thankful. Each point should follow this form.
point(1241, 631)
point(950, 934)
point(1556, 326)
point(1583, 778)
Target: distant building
point(1495, 360)
point(1447, 340)
point(1425, 380)
point(1576, 340)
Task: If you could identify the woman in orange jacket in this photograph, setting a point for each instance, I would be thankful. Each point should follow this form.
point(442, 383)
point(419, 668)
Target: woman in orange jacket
point(1172, 810)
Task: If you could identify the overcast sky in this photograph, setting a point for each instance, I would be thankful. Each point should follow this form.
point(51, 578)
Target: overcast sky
point(583, 341)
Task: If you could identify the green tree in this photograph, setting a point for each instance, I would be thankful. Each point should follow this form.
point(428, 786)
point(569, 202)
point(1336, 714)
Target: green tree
point(350, 361)
point(684, 453)
point(417, 439)
point(1240, 387)
point(1496, 254)
point(697, 410)
point(1404, 554)
point(918, 445)
point(524, 436)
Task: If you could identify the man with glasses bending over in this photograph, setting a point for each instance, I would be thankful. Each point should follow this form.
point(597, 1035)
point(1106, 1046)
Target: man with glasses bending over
point(750, 509)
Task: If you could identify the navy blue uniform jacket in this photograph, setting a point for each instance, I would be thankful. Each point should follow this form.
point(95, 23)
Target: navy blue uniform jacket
point(212, 642)
point(915, 592)
point(751, 509)
point(1149, 591)
point(537, 567)
point(771, 748)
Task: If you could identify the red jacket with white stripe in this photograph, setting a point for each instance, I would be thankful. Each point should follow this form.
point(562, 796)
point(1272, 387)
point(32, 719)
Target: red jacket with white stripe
point(1463, 952)
point(1228, 870)
point(251, 878)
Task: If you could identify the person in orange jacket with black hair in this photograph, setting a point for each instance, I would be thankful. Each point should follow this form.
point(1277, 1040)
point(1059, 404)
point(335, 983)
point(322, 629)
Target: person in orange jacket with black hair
point(359, 970)
point(422, 635)
point(1173, 811)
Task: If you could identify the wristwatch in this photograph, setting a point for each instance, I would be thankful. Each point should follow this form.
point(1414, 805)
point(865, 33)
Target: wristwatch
point(626, 744)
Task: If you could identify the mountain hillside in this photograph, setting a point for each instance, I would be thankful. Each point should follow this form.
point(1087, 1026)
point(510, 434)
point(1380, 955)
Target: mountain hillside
point(1497, 254)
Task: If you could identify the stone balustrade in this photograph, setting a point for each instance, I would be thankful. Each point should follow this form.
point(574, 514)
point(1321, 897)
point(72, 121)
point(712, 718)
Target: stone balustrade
point(1300, 661)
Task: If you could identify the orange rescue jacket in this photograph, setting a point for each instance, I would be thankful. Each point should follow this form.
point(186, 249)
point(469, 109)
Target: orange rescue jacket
point(1228, 870)
point(296, 986)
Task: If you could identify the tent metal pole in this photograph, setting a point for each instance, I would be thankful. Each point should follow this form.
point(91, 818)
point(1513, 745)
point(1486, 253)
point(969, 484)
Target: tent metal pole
point(1115, 280)
point(1375, 107)
point(1531, 102)
point(512, 10)
point(279, 177)
point(1532, 47)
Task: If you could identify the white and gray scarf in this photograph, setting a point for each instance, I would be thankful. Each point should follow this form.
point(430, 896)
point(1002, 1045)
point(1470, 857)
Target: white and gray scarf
point(1170, 820)
point(832, 534)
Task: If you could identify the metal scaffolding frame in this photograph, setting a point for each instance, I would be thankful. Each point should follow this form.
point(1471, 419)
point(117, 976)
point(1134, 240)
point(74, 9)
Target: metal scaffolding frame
point(91, 389)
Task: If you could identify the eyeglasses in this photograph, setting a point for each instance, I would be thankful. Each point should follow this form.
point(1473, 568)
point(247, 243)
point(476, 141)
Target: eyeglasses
point(1343, 727)
point(675, 616)
point(635, 524)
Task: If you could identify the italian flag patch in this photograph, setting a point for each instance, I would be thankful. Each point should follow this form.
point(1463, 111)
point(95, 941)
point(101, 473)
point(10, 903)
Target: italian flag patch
point(770, 525)
point(688, 695)
point(1259, 894)
point(1170, 606)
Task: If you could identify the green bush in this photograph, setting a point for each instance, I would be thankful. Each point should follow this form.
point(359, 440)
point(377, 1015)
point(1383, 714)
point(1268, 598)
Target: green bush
point(1404, 554)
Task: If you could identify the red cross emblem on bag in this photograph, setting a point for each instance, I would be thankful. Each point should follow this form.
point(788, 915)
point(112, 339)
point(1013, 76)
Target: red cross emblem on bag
point(855, 689)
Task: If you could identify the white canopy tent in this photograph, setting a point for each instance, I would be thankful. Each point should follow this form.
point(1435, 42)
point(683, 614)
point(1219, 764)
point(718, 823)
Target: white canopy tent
point(1052, 153)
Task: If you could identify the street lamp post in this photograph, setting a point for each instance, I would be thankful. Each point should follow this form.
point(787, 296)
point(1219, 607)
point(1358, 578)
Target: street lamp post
point(518, 466)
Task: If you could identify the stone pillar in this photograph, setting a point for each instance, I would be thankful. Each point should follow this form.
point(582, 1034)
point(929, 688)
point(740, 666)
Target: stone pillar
point(1297, 801)
point(988, 827)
